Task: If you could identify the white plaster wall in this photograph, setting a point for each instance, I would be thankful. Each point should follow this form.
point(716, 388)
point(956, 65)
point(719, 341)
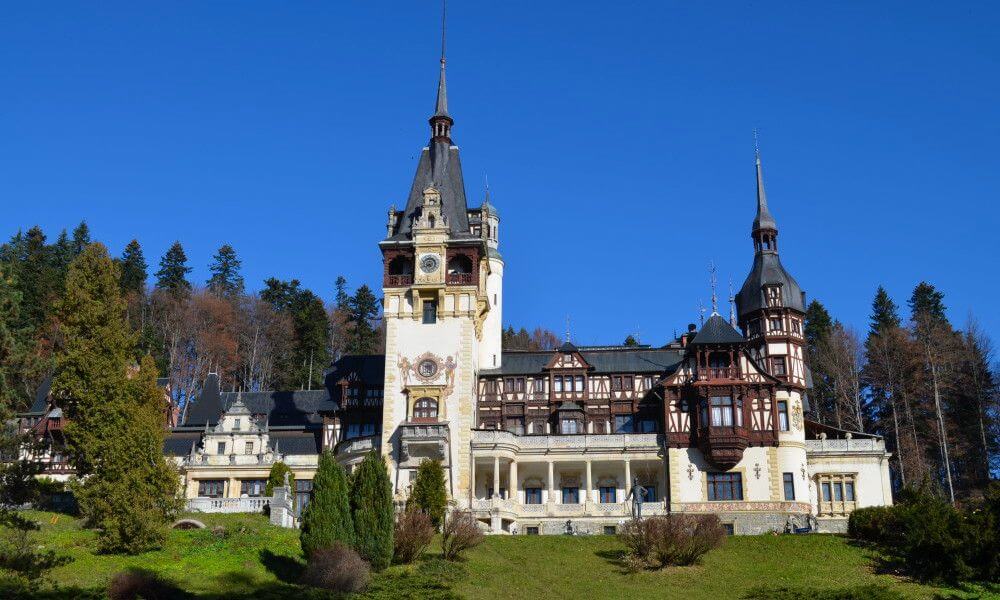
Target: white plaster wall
point(872, 485)
point(493, 326)
point(790, 460)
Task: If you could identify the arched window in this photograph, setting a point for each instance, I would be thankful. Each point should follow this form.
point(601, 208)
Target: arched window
point(425, 408)
point(459, 264)
point(401, 265)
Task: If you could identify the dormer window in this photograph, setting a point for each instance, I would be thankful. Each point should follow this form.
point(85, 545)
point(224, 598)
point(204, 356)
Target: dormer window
point(236, 425)
point(773, 293)
point(221, 448)
point(775, 324)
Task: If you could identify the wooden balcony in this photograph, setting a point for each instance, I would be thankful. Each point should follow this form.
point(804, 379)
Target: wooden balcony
point(715, 373)
point(460, 278)
point(398, 280)
point(723, 446)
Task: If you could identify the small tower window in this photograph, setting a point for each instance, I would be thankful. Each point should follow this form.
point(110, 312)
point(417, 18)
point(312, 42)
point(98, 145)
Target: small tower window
point(430, 312)
point(425, 408)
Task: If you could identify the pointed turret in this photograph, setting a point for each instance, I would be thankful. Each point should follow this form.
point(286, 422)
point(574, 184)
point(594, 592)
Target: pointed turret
point(763, 220)
point(441, 121)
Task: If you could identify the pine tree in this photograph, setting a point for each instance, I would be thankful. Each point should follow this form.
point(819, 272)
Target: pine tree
point(817, 330)
point(133, 265)
point(362, 316)
point(81, 238)
point(115, 432)
point(39, 281)
point(885, 314)
point(927, 301)
point(371, 507)
point(173, 272)
point(226, 281)
point(63, 253)
point(630, 341)
point(327, 518)
point(10, 302)
point(429, 494)
point(276, 478)
point(342, 296)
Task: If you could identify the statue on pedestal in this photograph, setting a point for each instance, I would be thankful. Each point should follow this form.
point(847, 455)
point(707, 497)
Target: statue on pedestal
point(637, 494)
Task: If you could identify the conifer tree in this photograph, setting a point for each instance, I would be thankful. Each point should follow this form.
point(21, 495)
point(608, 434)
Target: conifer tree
point(885, 314)
point(39, 281)
point(10, 301)
point(927, 302)
point(371, 507)
point(226, 281)
point(134, 267)
point(173, 272)
point(429, 494)
point(327, 518)
point(630, 341)
point(63, 253)
point(116, 425)
point(276, 478)
point(81, 238)
point(341, 296)
point(362, 316)
point(818, 329)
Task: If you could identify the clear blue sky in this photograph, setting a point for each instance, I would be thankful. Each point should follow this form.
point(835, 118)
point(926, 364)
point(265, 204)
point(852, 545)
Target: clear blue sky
point(617, 138)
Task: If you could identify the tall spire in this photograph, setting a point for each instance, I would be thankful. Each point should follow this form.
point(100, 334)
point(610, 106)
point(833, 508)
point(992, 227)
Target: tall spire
point(441, 121)
point(763, 220)
point(715, 299)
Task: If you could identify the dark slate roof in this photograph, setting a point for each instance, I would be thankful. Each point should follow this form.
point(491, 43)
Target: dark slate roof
point(40, 405)
point(717, 330)
point(441, 167)
point(369, 368)
point(178, 443)
point(294, 442)
point(663, 360)
point(767, 270)
point(300, 407)
point(567, 347)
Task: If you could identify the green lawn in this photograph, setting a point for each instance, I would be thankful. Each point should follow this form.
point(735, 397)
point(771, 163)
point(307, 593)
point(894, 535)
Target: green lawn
point(254, 559)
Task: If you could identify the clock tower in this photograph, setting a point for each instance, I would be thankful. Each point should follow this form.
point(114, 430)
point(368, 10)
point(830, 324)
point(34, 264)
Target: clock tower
point(442, 291)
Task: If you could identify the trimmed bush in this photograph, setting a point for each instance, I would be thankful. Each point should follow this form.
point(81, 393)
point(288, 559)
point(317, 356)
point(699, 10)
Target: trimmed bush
point(429, 494)
point(671, 540)
point(337, 568)
point(461, 532)
point(327, 517)
point(412, 535)
point(138, 583)
point(276, 478)
point(371, 507)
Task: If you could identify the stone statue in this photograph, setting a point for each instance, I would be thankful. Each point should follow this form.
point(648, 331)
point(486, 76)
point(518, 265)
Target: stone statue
point(286, 479)
point(636, 494)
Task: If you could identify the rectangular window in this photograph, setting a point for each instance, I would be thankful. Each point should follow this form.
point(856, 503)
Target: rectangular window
point(532, 495)
point(367, 429)
point(789, 481)
point(610, 530)
point(725, 486)
point(729, 528)
point(353, 431)
point(571, 495)
point(515, 425)
point(722, 411)
point(650, 493)
point(647, 426)
point(221, 448)
point(539, 386)
point(623, 423)
point(557, 383)
point(849, 491)
point(609, 495)
point(211, 488)
point(236, 425)
point(783, 415)
point(430, 312)
point(303, 493)
point(579, 383)
point(569, 426)
point(252, 488)
point(616, 383)
point(248, 448)
point(775, 324)
point(838, 492)
point(826, 492)
point(796, 327)
point(779, 365)
point(531, 530)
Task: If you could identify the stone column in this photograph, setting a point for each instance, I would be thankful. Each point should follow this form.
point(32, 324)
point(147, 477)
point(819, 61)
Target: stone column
point(590, 485)
point(628, 478)
point(512, 484)
point(496, 476)
point(552, 495)
point(472, 479)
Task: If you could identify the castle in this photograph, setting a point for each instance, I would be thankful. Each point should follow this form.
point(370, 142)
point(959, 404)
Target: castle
point(546, 442)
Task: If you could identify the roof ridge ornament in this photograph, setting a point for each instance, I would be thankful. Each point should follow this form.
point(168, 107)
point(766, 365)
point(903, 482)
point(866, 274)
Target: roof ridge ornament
point(712, 280)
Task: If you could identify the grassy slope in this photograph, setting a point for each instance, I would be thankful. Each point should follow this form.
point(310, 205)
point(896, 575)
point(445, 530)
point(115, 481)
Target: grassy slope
point(503, 567)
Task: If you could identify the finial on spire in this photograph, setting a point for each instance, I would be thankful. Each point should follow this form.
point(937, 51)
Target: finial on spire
point(701, 311)
point(441, 121)
point(756, 144)
point(715, 299)
point(567, 328)
point(763, 219)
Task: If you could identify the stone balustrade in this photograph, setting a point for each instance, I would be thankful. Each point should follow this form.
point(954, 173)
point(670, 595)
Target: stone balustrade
point(359, 445)
point(495, 439)
point(845, 445)
point(508, 508)
point(239, 460)
point(228, 505)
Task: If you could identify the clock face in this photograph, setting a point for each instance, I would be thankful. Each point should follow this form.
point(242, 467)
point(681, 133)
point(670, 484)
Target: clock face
point(429, 263)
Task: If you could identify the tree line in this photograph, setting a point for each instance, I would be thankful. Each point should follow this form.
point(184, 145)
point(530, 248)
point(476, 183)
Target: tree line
point(928, 387)
point(282, 337)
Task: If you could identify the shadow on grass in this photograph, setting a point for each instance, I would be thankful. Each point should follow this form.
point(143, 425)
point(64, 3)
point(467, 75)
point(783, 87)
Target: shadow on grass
point(285, 568)
point(615, 558)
